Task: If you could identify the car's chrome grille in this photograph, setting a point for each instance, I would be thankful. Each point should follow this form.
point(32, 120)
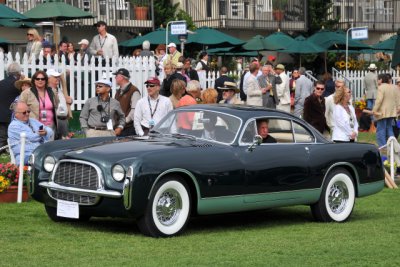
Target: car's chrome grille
point(76, 175)
point(81, 199)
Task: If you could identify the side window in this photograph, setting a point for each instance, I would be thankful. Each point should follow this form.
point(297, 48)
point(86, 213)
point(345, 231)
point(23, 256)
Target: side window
point(281, 130)
point(249, 133)
point(301, 134)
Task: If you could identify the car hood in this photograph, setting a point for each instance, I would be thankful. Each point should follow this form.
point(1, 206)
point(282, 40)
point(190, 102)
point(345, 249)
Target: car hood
point(118, 149)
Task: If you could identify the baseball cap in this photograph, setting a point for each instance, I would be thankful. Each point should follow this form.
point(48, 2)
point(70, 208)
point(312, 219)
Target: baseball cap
point(52, 72)
point(153, 80)
point(84, 41)
point(100, 22)
point(104, 81)
point(280, 67)
point(123, 72)
point(171, 45)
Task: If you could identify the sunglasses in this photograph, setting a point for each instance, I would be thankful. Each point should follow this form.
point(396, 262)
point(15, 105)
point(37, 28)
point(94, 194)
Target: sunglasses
point(150, 85)
point(99, 86)
point(320, 88)
point(29, 34)
point(40, 79)
point(24, 112)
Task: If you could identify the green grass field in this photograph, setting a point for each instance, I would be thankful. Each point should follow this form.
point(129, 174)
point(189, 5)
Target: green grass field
point(277, 237)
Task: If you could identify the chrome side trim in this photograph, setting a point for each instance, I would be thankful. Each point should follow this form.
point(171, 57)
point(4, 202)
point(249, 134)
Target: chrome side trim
point(67, 189)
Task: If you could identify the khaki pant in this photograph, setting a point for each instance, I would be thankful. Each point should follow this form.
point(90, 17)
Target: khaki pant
point(98, 133)
point(284, 107)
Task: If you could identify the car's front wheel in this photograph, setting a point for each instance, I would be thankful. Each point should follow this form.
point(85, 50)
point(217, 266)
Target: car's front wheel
point(168, 209)
point(337, 199)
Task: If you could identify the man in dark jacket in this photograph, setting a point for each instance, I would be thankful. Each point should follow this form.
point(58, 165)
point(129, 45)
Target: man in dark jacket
point(127, 95)
point(314, 109)
point(8, 94)
point(220, 81)
point(170, 75)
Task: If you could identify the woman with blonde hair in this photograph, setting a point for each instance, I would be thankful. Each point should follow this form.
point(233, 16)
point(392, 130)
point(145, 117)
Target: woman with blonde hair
point(344, 117)
point(209, 96)
point(178, 88)
point(34, 45)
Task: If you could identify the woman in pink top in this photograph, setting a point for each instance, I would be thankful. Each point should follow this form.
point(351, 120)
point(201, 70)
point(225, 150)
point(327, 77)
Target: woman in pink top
point(41, 100)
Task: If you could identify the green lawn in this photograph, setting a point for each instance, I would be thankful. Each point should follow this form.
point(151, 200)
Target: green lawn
point(278, 237)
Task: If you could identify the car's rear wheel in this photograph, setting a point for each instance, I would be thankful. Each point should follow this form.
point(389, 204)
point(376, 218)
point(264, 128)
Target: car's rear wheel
point(52, 214)
point(337, 199)
point(168, 209)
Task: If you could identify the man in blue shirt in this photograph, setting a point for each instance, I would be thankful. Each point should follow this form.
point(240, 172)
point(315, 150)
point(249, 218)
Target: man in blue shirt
point(36, 132)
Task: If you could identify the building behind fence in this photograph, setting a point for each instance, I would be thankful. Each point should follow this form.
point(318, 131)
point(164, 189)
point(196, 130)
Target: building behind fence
point(82, 74)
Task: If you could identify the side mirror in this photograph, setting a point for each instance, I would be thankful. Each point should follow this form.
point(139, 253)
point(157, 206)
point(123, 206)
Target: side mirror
point(257, 140)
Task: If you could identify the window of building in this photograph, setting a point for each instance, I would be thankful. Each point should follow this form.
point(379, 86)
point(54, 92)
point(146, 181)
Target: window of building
point(209, 8)
point(222, 7)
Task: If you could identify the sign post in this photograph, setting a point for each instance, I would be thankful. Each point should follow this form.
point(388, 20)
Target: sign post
point(178, 27)
point(357, 33)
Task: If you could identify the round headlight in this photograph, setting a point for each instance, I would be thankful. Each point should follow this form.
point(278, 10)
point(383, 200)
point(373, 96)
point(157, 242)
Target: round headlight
point(49, 163)
point(118, 173)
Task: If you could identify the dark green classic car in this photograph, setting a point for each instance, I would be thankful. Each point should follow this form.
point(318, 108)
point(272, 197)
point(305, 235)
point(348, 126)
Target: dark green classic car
point(204, 159)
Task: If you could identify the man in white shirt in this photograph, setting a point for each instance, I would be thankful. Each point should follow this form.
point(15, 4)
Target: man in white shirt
point(282, 89)
point(104, 44)
point(151, 109)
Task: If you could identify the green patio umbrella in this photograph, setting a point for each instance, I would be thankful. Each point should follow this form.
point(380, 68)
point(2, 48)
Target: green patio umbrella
point(53, 10)
point(396, 54)
point(301, 45)
point(279, 40)
point(387, 45)
point(213, 38)
point(258, 43)
point(9, 13)
point(16, 24)
point(335, 40)
point(4, 41)
point(231, 51)
point(155, 38)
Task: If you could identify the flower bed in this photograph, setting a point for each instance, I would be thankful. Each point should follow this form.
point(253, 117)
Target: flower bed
point(9, 176)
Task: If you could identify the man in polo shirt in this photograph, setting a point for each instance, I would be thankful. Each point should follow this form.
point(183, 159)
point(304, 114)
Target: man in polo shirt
point(128, 95)
point(151, 109)
point(98, 113)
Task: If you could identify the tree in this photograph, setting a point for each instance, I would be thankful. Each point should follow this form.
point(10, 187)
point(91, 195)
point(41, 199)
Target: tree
point(319, 13)
point(164, 12)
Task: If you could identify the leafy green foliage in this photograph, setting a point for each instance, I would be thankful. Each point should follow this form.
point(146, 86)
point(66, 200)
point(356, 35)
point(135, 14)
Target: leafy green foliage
point(183, 15)
point(164, 12)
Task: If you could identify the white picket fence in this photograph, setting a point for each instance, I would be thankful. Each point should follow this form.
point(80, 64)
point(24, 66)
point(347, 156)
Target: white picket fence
point(355, 79)
point(82, 74)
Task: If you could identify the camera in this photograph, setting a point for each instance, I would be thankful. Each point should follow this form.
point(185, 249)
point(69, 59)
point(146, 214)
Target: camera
point(105, 119)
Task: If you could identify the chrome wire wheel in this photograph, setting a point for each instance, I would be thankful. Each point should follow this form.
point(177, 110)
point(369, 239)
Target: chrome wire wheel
point(169, 206)
point(338, 197)
point(168, 209)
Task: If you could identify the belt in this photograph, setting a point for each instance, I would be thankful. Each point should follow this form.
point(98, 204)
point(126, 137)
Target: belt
point(98, 128)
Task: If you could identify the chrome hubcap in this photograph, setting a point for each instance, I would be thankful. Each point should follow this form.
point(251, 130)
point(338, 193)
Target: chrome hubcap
point(338, 197)
point(168, 207)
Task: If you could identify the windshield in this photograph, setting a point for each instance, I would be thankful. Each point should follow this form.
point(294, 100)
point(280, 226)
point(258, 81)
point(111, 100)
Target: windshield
point(203, 124)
